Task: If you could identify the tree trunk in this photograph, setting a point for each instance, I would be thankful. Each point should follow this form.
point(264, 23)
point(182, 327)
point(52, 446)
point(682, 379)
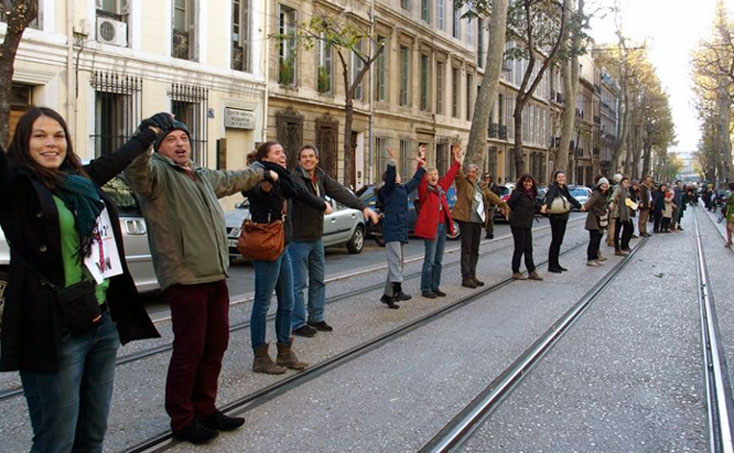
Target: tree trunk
point(517, 148)
point(724, 121)
point(490, 83)
point(570, 75)
point(18, 16)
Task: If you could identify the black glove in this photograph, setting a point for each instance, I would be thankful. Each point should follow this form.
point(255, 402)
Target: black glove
point(162, 120)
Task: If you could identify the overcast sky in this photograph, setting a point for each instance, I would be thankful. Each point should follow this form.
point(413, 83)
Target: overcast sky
point(672, 29)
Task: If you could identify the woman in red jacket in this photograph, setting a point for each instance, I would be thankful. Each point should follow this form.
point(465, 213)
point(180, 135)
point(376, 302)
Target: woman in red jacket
point(433, 219)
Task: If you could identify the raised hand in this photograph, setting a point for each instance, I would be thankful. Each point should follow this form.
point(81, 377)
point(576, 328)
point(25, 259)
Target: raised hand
point(456, 153)
point(273, 176)
point(329, 208)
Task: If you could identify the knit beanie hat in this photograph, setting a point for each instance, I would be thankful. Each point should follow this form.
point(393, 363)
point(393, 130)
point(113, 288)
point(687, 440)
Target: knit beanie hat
point(601, 181)
point(177, 126)
point(617, 178)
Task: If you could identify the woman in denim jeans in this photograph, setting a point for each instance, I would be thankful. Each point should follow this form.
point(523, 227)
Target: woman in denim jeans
point(270, 202)
point(50, 211)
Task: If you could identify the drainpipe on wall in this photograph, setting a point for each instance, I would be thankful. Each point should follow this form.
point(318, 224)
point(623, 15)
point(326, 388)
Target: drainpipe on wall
point(266, 64)
point(372, 97)
point(70, 117)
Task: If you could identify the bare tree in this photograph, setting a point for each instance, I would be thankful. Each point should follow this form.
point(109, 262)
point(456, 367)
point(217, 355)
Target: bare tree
point(18, 14)
point(475, 151)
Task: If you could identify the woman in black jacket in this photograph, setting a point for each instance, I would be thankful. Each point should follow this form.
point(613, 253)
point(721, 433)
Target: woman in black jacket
point(522, 203)
point(558, 219)
point(55, 216)
point(270, 202)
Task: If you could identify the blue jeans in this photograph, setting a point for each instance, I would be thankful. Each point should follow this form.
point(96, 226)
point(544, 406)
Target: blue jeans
point(308, 263)
point(432, 267)
point(272, 275)
point(69, 408)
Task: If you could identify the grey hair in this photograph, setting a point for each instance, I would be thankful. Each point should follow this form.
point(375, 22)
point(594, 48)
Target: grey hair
point(472, 167)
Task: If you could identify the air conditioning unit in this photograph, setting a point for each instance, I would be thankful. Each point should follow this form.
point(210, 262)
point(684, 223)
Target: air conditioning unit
point(111, 31)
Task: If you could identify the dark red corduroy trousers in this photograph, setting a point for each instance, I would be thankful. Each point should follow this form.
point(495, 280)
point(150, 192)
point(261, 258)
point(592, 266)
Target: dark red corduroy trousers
point(200, 318)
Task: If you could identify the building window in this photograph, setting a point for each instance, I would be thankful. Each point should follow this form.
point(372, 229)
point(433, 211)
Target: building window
point(324, 66)
point(357, 66)
point(381, 162)
point(35, 23)
point(405, 150)
point(21, 100)
point(189, 104)
point(442, 156)
point(289, 124)
point(425, 81)
point(440, 77)
point(455, 82)
point(241, 41)
point(457, 21)
point(184, 29)
point(441, 13)
point(469, 92)
point(404, 76)
point(405, 4)
point(112, 22)
point(381, 79)
point(287, 46)
point(426, 10)
point(470, 31)
point(118, 110)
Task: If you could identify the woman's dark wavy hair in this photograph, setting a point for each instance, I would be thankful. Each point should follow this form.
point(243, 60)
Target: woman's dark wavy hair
point(19, 153)
point(521, 181)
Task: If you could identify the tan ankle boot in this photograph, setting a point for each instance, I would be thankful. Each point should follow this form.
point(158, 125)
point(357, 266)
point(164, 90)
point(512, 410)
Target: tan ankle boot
point(287, 358)
point(263, 363)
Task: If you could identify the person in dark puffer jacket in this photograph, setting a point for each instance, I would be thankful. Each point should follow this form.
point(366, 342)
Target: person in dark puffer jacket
point(394, 196)
point(522, 203)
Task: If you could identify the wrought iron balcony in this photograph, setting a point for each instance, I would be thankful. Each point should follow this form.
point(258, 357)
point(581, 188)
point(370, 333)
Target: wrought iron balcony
point(503, 131)
point(493, 130)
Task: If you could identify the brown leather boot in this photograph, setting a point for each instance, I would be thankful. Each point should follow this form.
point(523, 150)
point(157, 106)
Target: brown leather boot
point(263, 363)
point(287, 358)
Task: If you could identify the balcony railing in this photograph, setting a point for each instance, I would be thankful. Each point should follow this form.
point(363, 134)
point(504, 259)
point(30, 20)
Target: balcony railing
point(503, 131)
point(597, 119)
point(493, 130)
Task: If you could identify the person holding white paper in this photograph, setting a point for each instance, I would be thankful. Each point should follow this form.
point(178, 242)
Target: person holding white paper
point(61, 325)
point(620, 208)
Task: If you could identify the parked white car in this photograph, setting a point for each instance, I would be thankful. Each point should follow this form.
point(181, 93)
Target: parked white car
point(344, 227)
point(580, 193)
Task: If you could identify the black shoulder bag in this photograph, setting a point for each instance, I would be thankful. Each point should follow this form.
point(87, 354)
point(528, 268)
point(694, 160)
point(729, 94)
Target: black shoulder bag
point(80, 309)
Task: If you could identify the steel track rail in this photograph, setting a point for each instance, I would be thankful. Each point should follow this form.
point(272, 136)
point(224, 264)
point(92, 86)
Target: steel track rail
point(134, 357)
point(719, 405)
point(163, 440)
point(464, 424)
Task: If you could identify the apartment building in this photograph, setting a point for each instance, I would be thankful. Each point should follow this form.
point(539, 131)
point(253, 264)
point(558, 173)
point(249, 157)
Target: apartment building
point(106, 64)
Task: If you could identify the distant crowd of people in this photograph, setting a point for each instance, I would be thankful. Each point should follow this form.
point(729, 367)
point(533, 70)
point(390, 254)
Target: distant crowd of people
point(71, 300)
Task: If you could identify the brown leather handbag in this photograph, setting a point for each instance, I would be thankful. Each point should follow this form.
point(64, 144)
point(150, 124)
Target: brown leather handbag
point(261, 241)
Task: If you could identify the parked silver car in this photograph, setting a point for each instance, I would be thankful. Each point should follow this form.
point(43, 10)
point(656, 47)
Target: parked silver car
point(134, 236)
point(345, 226)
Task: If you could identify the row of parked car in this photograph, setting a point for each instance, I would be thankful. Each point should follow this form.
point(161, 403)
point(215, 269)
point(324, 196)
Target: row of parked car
point(345, 227)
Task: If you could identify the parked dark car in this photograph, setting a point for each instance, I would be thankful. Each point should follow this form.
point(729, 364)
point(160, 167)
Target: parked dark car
point(368, 194)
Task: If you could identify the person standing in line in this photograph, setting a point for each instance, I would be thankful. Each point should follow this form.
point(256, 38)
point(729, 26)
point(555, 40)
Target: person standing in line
point(188, 242)
point(433, 219)
point(307, 247)
point(680, 206)
point(394, 197)
point(634, 195)
point(658, 203)
point(596, 221)
point(470, 213)
point(729, 213)
point(53, 213)
point(270, 202)
point(522, 205)
point(668, 196)
point(488, 183)
point(610, 230)
point(622, 218)
point(645, 205)
point(558, 222)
